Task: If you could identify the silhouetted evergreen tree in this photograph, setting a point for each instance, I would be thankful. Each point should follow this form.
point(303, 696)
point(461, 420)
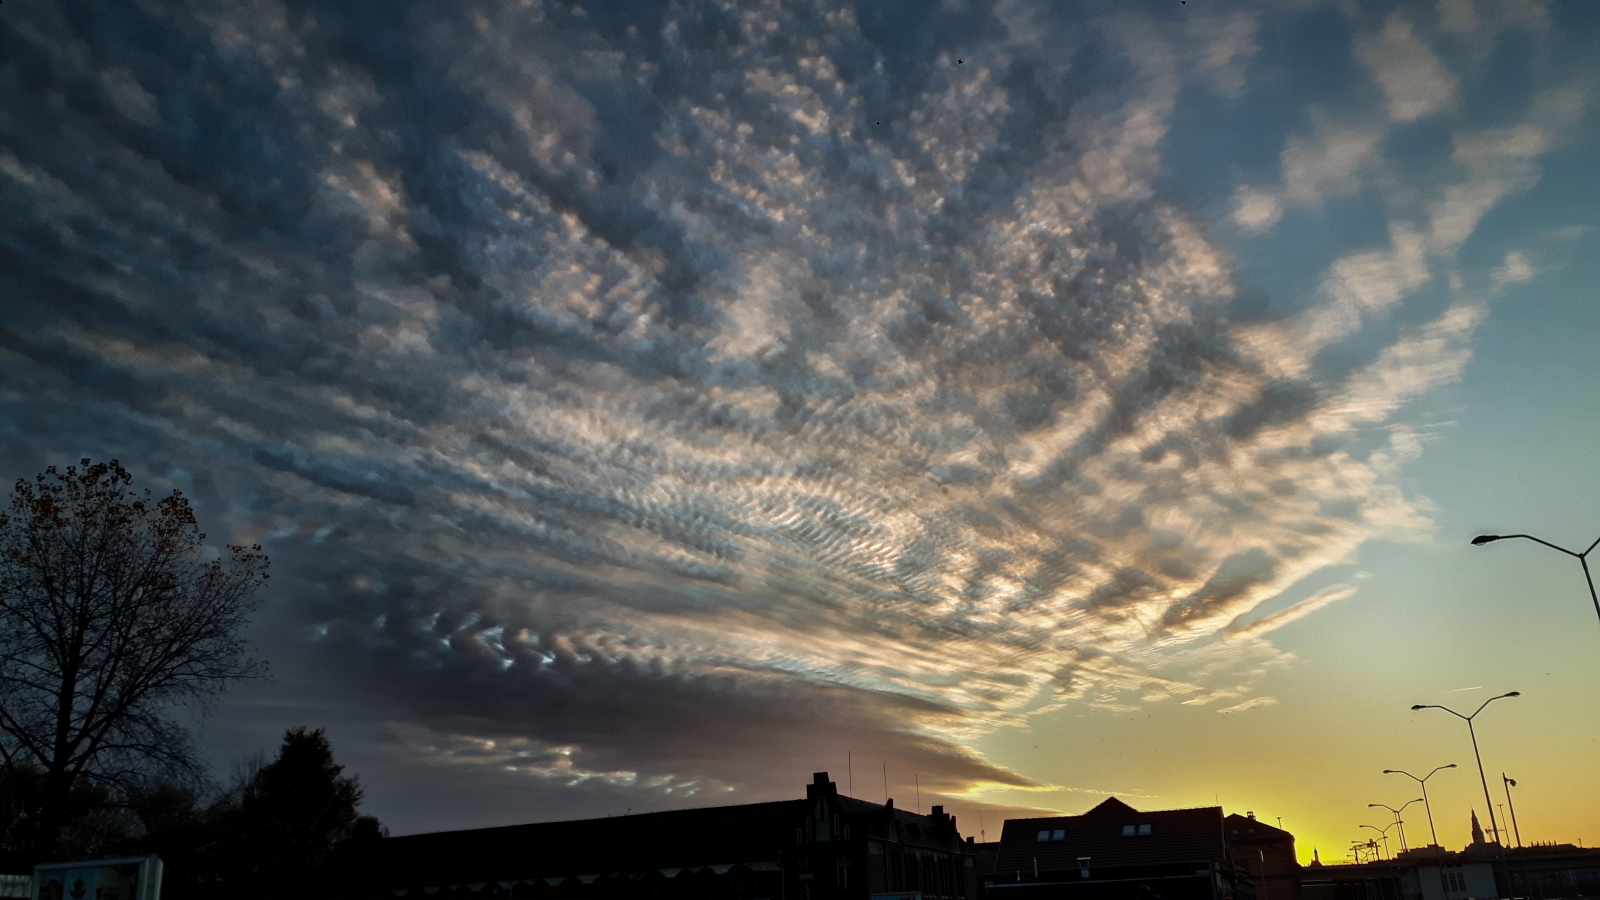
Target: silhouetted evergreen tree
point(286, 816)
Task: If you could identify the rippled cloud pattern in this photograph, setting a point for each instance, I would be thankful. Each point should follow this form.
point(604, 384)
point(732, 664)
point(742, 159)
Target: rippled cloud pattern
point(662, 396)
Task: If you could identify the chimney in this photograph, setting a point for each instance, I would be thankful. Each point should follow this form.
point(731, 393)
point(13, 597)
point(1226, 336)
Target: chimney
point(938, 812)
point(820, 786)
point(889, 803)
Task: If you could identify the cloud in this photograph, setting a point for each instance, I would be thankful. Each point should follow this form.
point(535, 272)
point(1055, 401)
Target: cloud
point(1300, 610)
point(1515, 270)
point(1414, 81)
point(1255, 209)
point(1226, 45)
point(1246, 706)
point(651, 405)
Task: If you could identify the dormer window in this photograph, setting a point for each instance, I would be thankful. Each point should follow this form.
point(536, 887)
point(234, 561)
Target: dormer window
point(1136, 830)
point(1047, 836)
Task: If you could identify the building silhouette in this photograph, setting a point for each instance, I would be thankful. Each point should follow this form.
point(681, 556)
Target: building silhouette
point(824, 847)
point(1267, 854)
point(1116, 852)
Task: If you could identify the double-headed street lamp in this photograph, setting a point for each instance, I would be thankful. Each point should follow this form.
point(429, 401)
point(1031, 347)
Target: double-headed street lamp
point(1384, 833)
point(1489, 802)
point(1398, 820)
point(1424, 782)
point(1583, 558)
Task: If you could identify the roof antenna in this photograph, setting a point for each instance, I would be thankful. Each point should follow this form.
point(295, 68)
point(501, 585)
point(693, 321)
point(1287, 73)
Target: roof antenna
point(982, 835)
point(919, 793)
point(885, 784)
point(850, 770)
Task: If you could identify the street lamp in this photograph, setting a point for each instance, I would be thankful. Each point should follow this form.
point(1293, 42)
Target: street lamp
point(1398, 820)
point(1384, 833)
point(1357, 846)
point(1424, 782)
point(1583, 558)
point(1468, 719)
point(1509, 784)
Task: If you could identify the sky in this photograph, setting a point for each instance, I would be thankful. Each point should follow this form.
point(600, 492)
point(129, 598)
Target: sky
point(1001, 405)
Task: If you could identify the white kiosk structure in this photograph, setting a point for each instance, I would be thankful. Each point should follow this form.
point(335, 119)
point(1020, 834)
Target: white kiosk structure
point(125, 878)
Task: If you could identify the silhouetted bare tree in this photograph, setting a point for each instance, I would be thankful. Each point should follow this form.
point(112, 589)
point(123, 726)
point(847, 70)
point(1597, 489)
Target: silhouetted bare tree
point(112, 612)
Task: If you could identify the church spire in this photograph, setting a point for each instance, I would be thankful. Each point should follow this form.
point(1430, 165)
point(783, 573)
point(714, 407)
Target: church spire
point(1477, 830)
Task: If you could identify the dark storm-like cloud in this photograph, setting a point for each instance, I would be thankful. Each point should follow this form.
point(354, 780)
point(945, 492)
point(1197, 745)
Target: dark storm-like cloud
point(661, 397)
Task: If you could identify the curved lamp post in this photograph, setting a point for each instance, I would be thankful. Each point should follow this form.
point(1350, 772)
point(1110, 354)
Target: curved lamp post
point(1424, 782)
point(1583, 558)
point(1399, 821)
point(1489, 802)
point(1384, 833)
point(1509, 784)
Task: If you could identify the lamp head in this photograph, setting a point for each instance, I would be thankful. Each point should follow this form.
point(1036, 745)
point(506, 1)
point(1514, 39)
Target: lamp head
point(1451, 766)
point(1419, 706)
point(1511, 781)
point(1512, 694)
point(1393, 772)
point(1482, 539)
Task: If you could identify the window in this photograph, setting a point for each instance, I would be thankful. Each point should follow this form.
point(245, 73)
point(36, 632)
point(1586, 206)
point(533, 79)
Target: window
point(1142, 830)
point(844, 871)
point(1127, 831)
point(805, 890)
point(1047, 836)
point(1145, 829)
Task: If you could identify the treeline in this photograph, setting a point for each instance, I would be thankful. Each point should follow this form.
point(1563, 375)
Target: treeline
point(114, 614)
point(264, 835)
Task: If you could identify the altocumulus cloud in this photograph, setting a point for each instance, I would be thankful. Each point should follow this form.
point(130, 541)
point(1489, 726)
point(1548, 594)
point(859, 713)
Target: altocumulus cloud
point(653, 399)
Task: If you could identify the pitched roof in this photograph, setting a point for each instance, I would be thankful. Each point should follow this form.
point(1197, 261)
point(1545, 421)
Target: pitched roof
point(1109, 806)
point(1175, 836)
